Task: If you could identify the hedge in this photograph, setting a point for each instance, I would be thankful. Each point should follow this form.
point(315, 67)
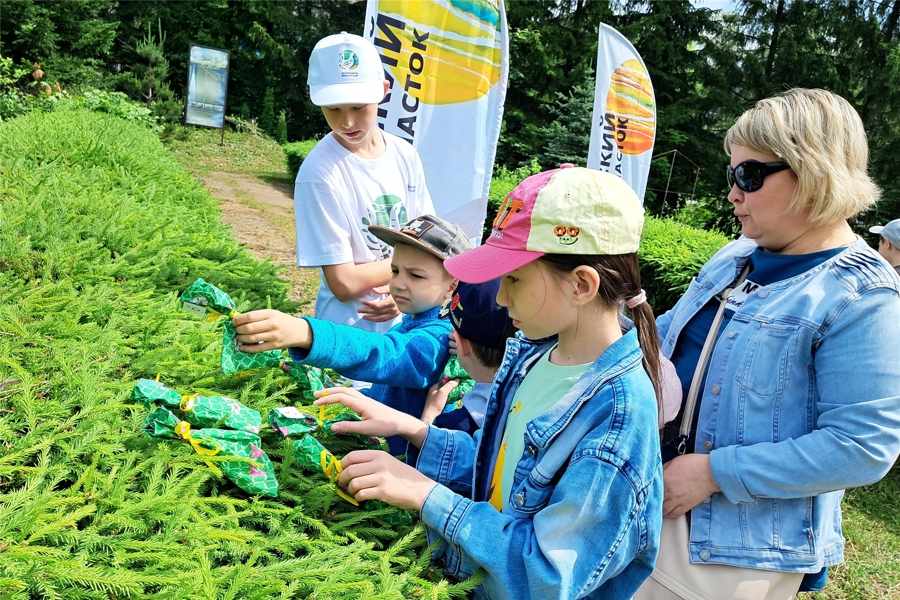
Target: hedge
point(296, 153)
point(100, 229)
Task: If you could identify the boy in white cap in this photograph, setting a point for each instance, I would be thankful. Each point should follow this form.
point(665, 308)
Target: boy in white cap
point(356, 176)
point(889, 244)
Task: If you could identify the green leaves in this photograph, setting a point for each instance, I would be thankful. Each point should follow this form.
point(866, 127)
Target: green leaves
point(100, 229)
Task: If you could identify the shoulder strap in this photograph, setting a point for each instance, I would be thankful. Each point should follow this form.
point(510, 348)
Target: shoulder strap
point(687, 418)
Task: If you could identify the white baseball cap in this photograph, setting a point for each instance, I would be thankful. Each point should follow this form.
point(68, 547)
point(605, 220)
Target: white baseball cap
point(891, 231)
point(345, 69)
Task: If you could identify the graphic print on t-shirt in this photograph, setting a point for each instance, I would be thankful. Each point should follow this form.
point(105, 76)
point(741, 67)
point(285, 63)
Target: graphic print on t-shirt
point(739, 295)
point(495, 493)
point(386, 211)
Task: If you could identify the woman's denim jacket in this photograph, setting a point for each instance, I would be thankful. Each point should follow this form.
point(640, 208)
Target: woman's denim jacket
point(802, 400)
point(583, 516)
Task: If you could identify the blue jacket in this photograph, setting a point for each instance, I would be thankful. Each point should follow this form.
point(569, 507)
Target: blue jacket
point(585, 509)
point(402, 362)
point(802, 400)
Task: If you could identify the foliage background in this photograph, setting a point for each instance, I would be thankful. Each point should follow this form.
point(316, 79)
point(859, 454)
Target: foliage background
point(707, 66)
point(100, 230)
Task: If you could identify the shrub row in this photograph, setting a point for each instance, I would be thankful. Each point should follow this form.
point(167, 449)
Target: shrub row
point(296, 153)
point(100, 229)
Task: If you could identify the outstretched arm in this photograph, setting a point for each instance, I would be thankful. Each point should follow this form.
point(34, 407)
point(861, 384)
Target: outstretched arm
point(378, 419)
point(268, 329)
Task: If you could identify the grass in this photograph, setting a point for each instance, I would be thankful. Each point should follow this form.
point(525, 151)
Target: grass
point(872, 553)
point(199, 149)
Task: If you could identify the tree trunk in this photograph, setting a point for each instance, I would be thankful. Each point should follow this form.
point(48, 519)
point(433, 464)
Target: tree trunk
point(890, 25)
point(776, 25)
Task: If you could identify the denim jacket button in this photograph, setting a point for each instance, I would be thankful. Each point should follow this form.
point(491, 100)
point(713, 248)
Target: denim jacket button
point(763, 293)
point(715, 389)
point(704, 555)
point(520, 499)
point(707, 500)
point(707, 445)
point(732, 333)
point(532, 451)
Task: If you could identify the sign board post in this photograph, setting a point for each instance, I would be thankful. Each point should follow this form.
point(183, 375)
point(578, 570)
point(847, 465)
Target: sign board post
point(207, 88)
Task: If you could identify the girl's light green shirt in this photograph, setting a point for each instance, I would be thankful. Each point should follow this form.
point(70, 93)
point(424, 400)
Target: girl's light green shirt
point(544, 385)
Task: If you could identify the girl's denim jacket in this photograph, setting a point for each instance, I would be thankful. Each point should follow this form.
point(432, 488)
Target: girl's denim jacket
point(802, 400)
point(583, 516)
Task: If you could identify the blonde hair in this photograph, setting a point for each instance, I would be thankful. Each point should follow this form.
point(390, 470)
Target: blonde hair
point(820, 135)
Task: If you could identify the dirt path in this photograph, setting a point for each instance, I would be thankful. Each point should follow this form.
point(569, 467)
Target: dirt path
point(261, 213)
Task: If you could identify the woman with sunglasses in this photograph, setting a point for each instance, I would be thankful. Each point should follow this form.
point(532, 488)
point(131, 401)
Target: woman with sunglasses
point(787, 344)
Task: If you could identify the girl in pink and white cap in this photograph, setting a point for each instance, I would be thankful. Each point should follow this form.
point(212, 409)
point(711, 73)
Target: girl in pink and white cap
point(560, 494)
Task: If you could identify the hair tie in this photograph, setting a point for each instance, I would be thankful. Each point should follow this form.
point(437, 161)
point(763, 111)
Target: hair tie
point(637, 300)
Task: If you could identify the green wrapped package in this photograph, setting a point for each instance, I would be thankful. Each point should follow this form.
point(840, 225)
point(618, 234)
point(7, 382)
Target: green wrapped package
point(199, 411)
point(257, 477)
point(291, 421)
point(288, 421)
point(204, 299)
point(310, 379)
point(453, 370)
point(313, 456)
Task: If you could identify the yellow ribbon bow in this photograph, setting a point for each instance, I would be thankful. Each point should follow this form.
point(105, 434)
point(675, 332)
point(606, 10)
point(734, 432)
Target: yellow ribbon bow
point(187, 403)
point(331, 466)
point(184, 430)
point(214, 314)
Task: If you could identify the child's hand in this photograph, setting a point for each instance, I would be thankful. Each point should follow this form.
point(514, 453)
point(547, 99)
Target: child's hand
point(273, 328)
point(374, 474)
point(452, 337)
point(378, 419)
point(382, 310)
point(436, 400)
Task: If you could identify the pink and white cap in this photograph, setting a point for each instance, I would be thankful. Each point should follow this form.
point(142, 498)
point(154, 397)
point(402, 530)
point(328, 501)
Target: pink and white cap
point(570, 210)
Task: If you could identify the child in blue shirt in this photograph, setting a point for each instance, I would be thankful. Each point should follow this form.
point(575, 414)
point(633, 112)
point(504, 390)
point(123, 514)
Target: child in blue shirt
point(403, 362)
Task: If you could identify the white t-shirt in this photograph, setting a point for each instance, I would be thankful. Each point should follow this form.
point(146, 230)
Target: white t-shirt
point(337, 195)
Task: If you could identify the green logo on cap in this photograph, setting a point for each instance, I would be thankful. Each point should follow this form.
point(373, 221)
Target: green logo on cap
point(348, 60)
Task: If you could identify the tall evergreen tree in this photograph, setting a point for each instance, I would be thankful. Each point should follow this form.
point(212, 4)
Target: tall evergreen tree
point(267, 117)
point(281, 129)
point(569, 136)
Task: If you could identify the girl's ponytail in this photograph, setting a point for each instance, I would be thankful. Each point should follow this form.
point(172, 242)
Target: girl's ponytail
point(648, 338)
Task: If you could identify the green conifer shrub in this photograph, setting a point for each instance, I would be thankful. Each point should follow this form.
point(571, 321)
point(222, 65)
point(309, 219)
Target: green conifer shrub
point(100, 229)
point(281, 129)
point(296, 153)
point(267, 118)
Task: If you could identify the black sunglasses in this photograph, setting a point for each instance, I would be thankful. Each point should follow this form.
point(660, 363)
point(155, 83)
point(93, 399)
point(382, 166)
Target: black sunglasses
point(750, 174)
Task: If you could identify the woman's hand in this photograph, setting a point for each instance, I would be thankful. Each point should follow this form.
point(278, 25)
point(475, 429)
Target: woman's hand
point(379, 311)
point(268, 329)
point(374, 474)
point(378, 420)
point(688, 480)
